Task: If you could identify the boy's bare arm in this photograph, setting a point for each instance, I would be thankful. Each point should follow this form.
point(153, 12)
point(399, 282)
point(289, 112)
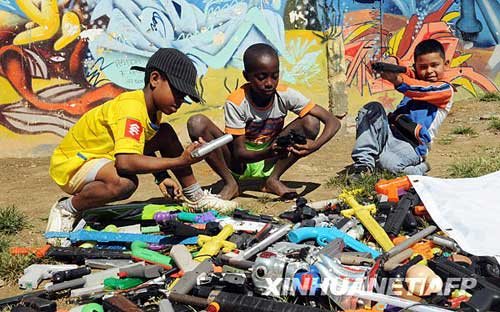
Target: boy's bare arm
point(332, 126)
point(139, 164)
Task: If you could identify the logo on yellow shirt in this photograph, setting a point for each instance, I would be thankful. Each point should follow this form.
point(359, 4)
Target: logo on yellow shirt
point(133, 129)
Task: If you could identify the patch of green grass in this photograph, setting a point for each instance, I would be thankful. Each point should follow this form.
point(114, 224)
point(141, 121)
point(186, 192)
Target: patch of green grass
point(464, 130)
point(366, 183)
point(494, 124)
point(475, 167)
point(12, 267)
point(4, 243)
point(446, 140)
point(490, 97)
point(12, 220)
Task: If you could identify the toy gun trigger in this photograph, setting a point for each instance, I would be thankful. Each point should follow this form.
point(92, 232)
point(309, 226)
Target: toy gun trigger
point(322, 240)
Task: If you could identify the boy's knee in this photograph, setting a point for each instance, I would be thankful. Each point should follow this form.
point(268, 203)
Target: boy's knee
point(374, 107)
point(124, 188)
point(311, 126)
point(196, 124)
point(166, 129)
point(390, 164)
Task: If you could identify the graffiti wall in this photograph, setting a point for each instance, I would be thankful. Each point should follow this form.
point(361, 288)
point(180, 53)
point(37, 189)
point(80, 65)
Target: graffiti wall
point(60, 58)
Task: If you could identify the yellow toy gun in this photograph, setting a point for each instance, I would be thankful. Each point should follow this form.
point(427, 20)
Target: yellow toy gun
point(211, 245)
point(363, 214)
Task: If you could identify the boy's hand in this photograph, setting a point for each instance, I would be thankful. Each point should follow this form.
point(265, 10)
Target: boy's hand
point(302, 150)
point(278, 151)
point(174, 192)
point(186, 154)
point(394, 78)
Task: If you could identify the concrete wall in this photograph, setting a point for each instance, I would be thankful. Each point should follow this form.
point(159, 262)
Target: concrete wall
point(60, 58)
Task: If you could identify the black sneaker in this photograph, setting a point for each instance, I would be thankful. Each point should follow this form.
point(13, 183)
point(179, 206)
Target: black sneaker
point(358, 173)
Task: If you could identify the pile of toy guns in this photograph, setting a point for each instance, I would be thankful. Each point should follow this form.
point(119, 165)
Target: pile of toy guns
point(336, 254)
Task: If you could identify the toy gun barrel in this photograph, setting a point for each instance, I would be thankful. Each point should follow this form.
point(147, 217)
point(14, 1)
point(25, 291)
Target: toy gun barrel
point(66, 275)
point(248, 253)
point(387, 67)
point(206, 148)
point(410, 241)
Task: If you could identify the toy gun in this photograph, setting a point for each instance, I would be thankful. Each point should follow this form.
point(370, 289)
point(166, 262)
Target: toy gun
point(71, 254)
point(243, 226)
point(211, 245)
point(485, 296)
point(182, 258)
point(141, 253)
point(234, 282)
point(144, 272)
point(193, 217)
point(179, 229)
point(329, 205)
point(302, 211)
point(275, 236)
point(33, 303)
point(388, 67)
point(105, 237)
point(90, 280)
point(208, 147)
point(186, 283)
point(397, 216)
point(386, 208)
point(290, 139)
point(325, 235)
point(392, 188)
point(35, 273)
point(362, 213)
point(246, 215)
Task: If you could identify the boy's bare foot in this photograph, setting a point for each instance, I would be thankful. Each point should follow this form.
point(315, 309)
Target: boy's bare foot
point(229, 191)
point(277, 187)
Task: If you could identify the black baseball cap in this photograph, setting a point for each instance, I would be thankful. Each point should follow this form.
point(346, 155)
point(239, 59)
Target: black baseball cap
point(178, 68)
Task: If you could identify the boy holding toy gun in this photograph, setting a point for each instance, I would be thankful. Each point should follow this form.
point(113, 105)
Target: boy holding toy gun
point(400, 140)
point(98, 160)
point(255, 115)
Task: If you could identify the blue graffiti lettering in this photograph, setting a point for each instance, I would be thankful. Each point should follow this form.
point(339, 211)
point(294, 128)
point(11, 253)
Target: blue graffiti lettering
point(155, 21)
point(94, 72)
point(197, 32)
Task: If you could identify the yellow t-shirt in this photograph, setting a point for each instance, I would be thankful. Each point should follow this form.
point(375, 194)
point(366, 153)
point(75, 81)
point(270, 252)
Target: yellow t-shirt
point(120, 125)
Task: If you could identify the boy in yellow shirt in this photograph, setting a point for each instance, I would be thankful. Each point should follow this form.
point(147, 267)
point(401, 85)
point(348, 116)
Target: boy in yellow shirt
point(98, 160)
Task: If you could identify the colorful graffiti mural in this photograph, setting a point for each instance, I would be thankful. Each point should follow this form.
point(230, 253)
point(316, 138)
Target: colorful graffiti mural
point(60, 58)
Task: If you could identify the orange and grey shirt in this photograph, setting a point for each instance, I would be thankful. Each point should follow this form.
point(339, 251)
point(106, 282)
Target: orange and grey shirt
point(262, 124)
point(120, 125)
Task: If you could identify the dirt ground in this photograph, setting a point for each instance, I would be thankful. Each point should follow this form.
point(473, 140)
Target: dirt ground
point(26, 183)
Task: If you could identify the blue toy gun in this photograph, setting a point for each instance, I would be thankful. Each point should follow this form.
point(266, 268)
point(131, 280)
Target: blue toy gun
point(105, 237)
point(323, 235)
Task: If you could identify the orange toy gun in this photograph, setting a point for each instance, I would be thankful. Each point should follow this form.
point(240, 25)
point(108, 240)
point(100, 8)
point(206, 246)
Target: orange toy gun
point(391, 188)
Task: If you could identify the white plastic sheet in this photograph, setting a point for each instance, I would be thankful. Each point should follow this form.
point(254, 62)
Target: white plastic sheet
point(468, 210)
